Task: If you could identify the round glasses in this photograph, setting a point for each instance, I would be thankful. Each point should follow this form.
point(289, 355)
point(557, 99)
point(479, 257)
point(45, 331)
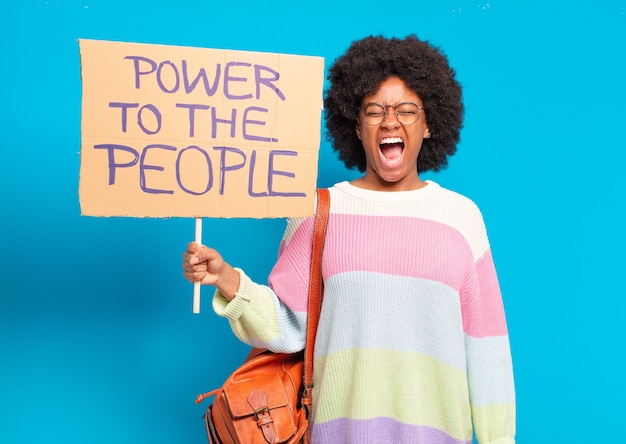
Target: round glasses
point(407, 113)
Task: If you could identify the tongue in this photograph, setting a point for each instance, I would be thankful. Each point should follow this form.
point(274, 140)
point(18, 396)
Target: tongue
point(391, 151)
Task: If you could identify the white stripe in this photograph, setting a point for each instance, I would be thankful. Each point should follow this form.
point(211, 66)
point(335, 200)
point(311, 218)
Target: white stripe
point(431, 202)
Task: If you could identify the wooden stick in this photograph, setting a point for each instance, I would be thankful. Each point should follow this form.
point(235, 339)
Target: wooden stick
point(196, 285)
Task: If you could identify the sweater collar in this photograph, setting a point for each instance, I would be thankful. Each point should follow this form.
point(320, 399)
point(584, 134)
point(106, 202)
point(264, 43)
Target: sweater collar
point(389, 196)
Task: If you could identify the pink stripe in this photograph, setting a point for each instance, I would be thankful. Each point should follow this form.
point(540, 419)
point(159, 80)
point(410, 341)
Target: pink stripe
point(484, 314)
point(289, 278)
point(399, 246)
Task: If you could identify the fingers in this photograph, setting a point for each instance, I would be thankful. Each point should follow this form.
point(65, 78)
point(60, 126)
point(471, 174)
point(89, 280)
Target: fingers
point(205, 265)
point(194, 248)
point(200, 263)
point(194, 254)
point(197, 253)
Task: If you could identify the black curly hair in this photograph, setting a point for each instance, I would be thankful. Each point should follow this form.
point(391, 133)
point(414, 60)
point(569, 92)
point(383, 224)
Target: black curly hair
point(423, 67)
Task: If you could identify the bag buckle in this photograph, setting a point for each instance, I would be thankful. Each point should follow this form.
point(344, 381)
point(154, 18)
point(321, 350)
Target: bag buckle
point(261, 412)
point(258, 401)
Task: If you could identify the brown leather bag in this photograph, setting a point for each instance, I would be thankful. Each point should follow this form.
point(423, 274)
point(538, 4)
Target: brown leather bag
point(267, 400)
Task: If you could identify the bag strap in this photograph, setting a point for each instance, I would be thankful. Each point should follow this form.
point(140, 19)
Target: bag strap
point(316, 285)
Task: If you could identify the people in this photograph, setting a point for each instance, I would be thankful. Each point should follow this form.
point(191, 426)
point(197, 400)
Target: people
point(412, 345)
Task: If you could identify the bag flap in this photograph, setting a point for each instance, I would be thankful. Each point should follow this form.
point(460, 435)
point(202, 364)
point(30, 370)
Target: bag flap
point(236, 394)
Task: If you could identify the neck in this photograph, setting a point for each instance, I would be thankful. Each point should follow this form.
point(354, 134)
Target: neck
point(380, 185)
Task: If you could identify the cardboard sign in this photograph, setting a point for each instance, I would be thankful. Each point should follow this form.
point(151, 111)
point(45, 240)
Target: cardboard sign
point(192, 132)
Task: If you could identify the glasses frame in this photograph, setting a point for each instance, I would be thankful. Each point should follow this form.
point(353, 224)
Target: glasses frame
point(395, 107)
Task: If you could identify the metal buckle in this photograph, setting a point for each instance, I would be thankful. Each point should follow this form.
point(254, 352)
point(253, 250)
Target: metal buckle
point(259, 412)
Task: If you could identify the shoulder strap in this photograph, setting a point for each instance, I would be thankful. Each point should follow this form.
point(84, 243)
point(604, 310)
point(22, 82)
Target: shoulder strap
point(316, 286)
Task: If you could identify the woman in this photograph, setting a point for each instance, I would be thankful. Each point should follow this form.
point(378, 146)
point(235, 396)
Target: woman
point(412, 343)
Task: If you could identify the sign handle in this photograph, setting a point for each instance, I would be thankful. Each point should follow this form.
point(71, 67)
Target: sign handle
point(196, 285)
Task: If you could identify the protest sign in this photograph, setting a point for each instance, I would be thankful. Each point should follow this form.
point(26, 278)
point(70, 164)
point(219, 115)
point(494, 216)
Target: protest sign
point(171, 131)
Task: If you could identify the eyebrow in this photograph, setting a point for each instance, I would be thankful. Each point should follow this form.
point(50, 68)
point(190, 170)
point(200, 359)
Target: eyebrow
point(399, 103)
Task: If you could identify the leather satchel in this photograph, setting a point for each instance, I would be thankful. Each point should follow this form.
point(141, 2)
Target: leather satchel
point(267, 400)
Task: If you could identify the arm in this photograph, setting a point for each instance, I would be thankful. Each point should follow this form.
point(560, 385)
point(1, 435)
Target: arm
point(490, 370)
point(273, 316)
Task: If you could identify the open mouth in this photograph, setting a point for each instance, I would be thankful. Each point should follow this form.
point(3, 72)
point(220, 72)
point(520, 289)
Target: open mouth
point(391, 148)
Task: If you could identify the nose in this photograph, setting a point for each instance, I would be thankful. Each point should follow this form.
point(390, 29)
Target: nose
point(391, 119)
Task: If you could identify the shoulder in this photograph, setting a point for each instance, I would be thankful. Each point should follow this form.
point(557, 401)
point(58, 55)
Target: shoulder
point(462, 213)
point(458, 201)
point(295, 224)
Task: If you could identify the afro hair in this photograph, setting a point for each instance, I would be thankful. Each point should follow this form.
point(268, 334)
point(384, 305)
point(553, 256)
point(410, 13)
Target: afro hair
point(424, 69)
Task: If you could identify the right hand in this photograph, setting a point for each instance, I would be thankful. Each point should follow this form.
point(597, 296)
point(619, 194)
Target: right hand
point(205, 265)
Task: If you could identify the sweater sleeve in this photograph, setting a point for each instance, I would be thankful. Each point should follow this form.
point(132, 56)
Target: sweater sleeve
point(273, 316)
point(489, 363)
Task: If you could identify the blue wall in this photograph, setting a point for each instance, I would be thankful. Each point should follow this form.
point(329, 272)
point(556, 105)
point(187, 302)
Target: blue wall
point(98, 342)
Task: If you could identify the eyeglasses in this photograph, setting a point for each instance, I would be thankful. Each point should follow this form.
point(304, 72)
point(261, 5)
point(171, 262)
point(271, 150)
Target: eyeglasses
point(407, 113)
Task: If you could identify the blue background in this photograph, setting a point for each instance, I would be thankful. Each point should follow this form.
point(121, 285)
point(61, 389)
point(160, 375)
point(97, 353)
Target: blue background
point(98, 342)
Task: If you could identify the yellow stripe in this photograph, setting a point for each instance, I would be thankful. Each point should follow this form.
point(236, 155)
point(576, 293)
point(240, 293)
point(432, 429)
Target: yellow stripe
point(495, 422)
point(409, 387)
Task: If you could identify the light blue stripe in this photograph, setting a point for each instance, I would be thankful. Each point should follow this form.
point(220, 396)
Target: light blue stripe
point(292, 330)
point(420, 316)
point(491, 357)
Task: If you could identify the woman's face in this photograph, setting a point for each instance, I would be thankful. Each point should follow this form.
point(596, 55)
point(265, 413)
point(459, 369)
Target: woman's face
point(391, 147)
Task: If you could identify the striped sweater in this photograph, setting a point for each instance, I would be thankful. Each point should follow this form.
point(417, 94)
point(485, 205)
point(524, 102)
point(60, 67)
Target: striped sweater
point(412, 345)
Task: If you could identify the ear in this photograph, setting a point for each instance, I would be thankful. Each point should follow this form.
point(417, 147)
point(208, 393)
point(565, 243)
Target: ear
point(426, 133)
point(358, 129)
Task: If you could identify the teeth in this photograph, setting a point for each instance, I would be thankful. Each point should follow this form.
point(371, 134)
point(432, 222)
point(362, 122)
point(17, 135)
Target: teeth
point(391, 140)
